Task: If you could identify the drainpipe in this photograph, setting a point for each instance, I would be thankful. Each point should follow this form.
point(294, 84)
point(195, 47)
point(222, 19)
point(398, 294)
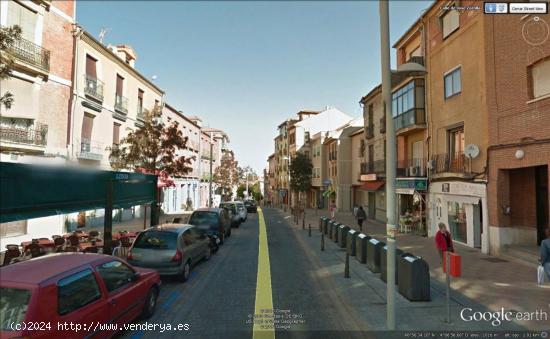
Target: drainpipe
point(77, 32)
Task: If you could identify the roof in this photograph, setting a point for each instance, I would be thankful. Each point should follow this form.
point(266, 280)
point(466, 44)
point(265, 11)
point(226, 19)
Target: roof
point(372, 93)
point(413, 26)
point(173, 109)
point(40, 269)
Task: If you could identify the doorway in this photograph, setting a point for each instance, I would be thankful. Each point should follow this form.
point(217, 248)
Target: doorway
point(372, 206)
point(541, 188)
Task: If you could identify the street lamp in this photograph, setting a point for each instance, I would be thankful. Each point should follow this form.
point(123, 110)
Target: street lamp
point(406, 69)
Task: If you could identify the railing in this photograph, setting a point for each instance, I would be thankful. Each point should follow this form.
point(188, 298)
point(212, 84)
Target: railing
point(446, 163)
point(377, 166)
point(417, 60)
point(93, 88)
point(30, 53)
point(121, 104)
point(383, 125)
point(140, 112)
point(33, 135)
point(90, 150)
point(414, 116)
point(369, 131)
point(415, 167)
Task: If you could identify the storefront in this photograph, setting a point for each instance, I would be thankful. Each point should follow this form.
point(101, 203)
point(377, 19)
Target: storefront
point(411, 204)
point(462, 207)
point(372, 189)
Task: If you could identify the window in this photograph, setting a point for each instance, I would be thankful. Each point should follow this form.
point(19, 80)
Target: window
point(119, 85)
point(91, 66)
point(415, 52)
point(87, 126)
point(188, 238)
point(13, 228)
point(13, 306)
point(24, 18)
point(456, 142)
point(140, 100)
point(450, 22)
point(115, 274)
point(76, 291)
point(116, 133)
point(540, 78)
point(403, 99)
point(452, 83)
point(156, 240)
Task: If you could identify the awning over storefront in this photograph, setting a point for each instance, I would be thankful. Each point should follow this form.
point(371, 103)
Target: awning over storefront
point(372, 185)
point(31, 191)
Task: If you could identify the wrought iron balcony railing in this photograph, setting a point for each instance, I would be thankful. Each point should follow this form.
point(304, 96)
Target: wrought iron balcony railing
point(417, 60)
point(377, 167)
point(35, 135)
point(415, 167)
point(140, 112)
point(93, 88)
point(30, 53)
point(90, 150)
point(447, 163)
point(121, 104)
point(412, 117)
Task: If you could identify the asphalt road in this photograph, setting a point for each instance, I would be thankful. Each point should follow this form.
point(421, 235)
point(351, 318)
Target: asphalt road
point(219, 299)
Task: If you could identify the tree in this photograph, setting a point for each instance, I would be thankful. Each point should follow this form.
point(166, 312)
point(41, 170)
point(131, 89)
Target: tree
point(153, 148)
point(8, 36)
point(227, 175)
point(300, 173)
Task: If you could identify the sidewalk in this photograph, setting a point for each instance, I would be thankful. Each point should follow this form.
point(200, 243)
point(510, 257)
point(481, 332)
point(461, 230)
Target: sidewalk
point(137, 224)
point(490, 281)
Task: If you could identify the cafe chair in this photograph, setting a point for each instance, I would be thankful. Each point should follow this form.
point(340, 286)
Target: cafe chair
point(34, 250)
point(73, 240)
point(93, 234)
point(12, 252)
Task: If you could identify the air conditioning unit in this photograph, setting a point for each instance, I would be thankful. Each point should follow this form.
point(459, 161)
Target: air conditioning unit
point(414, 171)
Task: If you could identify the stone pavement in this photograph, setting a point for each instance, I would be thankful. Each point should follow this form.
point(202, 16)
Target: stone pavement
point(489, 281)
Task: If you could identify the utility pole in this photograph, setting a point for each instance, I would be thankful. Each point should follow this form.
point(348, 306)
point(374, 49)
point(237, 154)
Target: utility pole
point(391, 228)
point(210, 179)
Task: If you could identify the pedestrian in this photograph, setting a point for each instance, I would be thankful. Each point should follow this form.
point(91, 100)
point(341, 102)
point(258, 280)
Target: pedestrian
point(545, 253)
point(332, 209)
point(361, 216)
point(355, 208)
point(443, 240)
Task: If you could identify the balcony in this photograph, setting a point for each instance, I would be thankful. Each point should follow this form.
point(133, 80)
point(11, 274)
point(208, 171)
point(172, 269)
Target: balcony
point(90, 150)
point(93, 88)
point(34, 135)
point(140, 112)
point(121, 104)
point(411, 120)
point(415, 167)
point(446, 163)
point(417, 60)
point(332, 155)
point(369, 131)
point(376, 167)
point(382, 125)
point(31, 54)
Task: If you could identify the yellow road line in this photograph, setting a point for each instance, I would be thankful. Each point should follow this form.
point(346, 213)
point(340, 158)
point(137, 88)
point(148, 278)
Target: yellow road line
point(263, 310)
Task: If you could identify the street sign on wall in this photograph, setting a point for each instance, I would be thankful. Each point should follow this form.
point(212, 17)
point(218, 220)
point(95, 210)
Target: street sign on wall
point(416, 184)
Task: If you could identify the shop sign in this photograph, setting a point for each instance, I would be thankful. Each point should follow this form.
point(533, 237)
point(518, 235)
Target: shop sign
point(416, 184)
point(368, 177)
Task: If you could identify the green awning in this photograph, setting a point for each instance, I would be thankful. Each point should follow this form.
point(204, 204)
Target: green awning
point(32, 191)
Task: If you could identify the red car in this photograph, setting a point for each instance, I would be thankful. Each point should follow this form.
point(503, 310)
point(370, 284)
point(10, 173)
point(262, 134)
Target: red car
point(74, 295)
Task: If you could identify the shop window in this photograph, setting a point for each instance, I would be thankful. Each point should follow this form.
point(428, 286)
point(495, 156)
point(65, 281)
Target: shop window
point(457, 221)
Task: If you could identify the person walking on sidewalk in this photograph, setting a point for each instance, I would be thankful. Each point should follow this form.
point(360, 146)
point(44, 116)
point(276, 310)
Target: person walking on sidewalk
point(443, 240)
point(332, 209)
point(360, 216)
point(545, 253)
point(355, 208)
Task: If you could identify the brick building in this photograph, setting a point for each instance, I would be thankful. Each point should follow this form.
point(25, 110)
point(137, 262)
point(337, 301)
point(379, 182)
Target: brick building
point(517, 50)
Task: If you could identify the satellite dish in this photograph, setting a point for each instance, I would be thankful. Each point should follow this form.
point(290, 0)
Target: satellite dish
point(471, 151)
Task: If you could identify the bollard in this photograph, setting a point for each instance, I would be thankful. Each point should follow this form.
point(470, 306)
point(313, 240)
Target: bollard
point(304, 222)
point(322, 241)
point(346, 269)
point(309, 230)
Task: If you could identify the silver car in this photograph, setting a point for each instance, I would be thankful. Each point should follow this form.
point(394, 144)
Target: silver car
point(171, 249)
point(241, 209)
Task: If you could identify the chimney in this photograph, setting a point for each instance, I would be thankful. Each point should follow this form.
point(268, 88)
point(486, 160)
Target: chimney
point(127, 54)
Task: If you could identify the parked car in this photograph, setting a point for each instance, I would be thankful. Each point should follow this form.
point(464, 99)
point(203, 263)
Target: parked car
point(233, 211)
point(171, 249)
point(78, 288)
point(241, 209)
point(251, 206)
point(215, 220)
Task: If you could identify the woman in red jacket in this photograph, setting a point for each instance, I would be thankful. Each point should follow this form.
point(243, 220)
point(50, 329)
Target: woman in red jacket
point(443, 240)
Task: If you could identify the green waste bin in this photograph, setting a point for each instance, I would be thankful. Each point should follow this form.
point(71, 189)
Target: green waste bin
point(361, 248)
point(413, 280)
point(374, 248)
point(335, 234)
point(384, 263)
point(350, 242)
point(342, 235)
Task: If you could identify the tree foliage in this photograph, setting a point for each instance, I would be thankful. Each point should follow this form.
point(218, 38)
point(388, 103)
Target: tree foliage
point(8, 36)
point(227, 175)
point(300, 173)
point(153, 148)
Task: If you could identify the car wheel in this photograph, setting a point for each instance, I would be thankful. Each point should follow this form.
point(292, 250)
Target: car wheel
point(185, 272)
point(222, 238)
point(208, 254)
point(150, 303)
point(229, 234)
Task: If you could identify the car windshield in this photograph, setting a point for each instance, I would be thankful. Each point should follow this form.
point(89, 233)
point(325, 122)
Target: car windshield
point(231, 207)
point(200, 219)
point(13, 306)
point(156, 240)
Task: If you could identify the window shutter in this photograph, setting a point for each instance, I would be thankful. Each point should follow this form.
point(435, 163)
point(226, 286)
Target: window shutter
point(116, 133)
point(119, 84)
point(87, 125)
point(91, 66)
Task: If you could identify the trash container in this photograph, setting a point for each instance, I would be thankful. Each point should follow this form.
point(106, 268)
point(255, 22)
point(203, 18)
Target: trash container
point(413, 280)
point(350, 242)
point(335, 232)
point(325, 225)
point(374, 248)
point(329, 229)
point(342, 235)
point(361, 248)
point(384, 262)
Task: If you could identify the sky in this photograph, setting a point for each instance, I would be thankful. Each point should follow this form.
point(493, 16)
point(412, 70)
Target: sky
point(245, 67)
